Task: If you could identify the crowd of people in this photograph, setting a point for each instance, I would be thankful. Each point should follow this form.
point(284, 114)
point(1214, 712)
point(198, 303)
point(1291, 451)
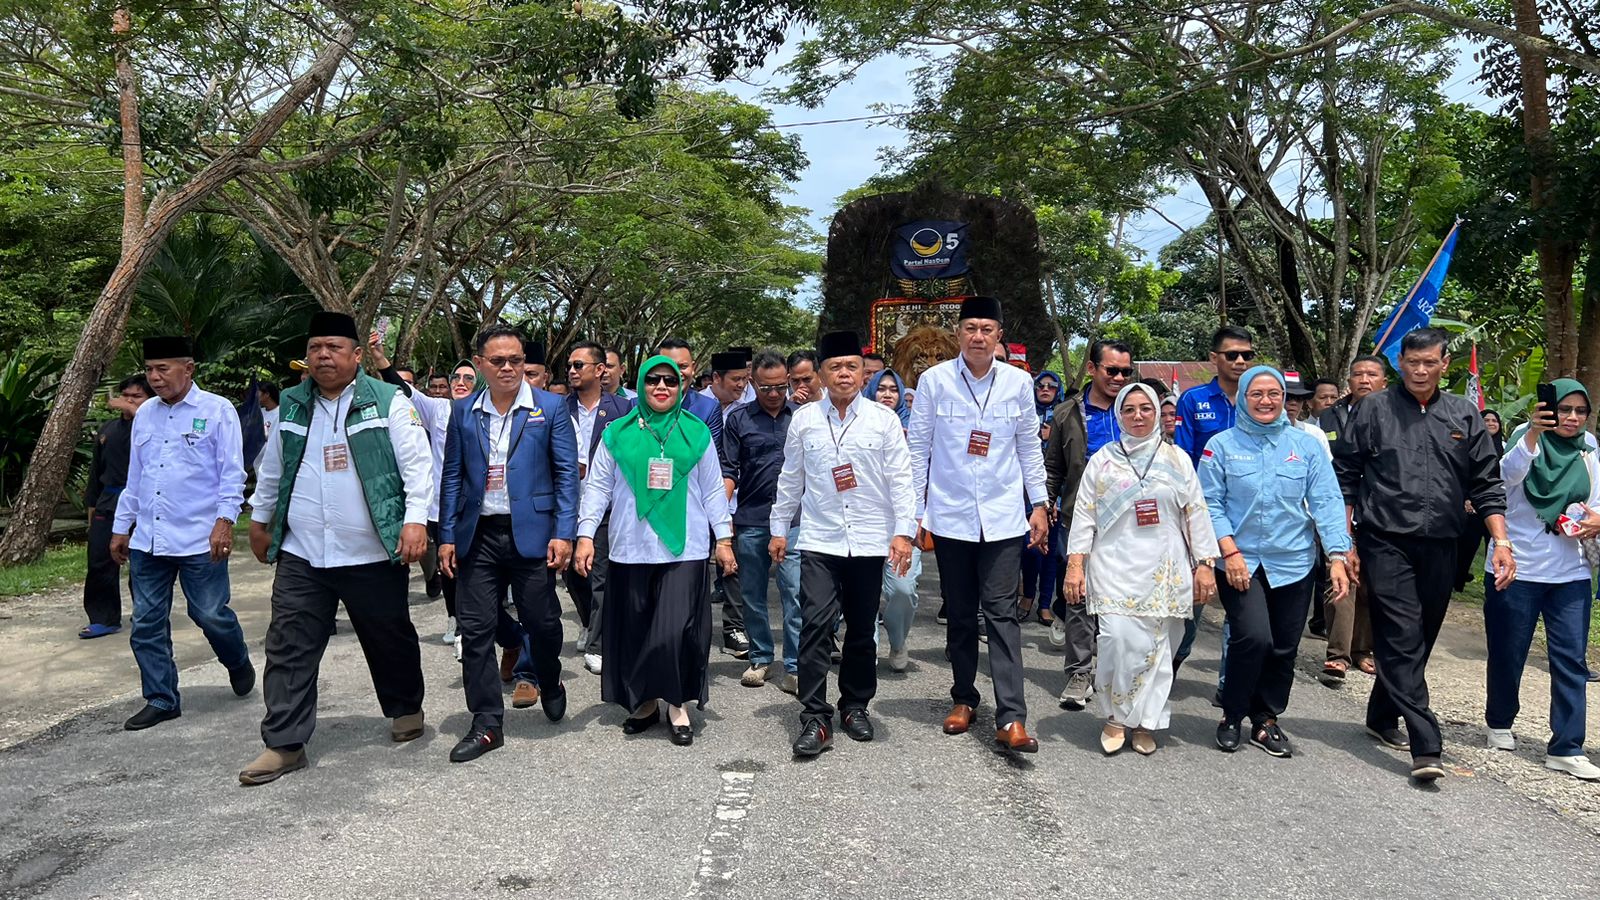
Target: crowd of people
point(1113, 512)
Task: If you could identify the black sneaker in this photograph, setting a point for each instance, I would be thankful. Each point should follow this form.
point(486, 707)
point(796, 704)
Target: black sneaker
point(242, 679)
point(150, 715)
point(1227, 736)
point(940, 617)
point(857, 725)
point(1393, 738)
point(1271, 738)
point(734, 643)
point(814, 738)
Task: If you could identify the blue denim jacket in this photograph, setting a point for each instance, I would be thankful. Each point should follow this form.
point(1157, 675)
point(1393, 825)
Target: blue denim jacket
point(1268, 494)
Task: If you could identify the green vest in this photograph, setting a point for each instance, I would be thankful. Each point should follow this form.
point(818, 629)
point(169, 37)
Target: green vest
point(367, 429)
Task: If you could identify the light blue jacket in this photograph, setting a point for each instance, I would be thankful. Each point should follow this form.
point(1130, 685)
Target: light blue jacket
point(1268, 492)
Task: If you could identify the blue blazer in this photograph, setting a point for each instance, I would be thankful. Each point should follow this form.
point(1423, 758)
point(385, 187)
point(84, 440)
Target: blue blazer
point(612, 407)
point(708, 411)
point(541, 475)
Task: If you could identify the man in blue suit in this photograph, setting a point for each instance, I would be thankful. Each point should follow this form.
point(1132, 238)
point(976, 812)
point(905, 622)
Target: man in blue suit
point(709, 411)
point(508, 513)
point(591, 408)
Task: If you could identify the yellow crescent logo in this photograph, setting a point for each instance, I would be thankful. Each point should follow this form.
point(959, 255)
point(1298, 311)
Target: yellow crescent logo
point(926, 242)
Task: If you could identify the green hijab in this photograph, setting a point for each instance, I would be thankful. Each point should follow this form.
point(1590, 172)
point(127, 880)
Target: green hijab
point(1559, 477)
point(637, 438)
point(478, 383)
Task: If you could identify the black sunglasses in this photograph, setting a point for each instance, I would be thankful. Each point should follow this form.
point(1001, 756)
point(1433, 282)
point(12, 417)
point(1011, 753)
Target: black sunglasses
point(1118, 371)
point(667, 380)
point(1236, 355)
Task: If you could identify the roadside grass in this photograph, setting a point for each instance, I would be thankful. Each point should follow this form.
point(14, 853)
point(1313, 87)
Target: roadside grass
point(60, 566)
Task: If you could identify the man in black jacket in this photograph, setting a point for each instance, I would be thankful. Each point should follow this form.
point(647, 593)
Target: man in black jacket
point(108, 473)
point(1408, 461)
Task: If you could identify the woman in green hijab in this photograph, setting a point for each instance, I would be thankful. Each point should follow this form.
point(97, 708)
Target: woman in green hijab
point(1552, 502)
point(659, 475)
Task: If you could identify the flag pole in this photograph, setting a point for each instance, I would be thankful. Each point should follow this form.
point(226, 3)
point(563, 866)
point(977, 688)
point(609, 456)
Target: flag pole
point(1395, 316)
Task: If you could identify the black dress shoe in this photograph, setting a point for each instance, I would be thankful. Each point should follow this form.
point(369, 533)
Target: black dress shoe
point(554, 702)
point(857, 725)
point(643, 723)
point(477, 742)
point(243, 679)
point(434, 587)
point(814, 738)
point(683, 735)
point(150, 715)
point(1228, 736)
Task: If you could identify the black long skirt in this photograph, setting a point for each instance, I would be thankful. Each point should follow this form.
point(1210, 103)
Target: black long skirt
point(656, 634)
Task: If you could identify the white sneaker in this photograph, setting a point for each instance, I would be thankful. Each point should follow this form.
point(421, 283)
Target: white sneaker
point(458, 648)
point(582, 641)
point(449, 631)
point(591, 661)
point(1576, 766)
point(1502, 739)
point(899, 659)
point(1058, 633)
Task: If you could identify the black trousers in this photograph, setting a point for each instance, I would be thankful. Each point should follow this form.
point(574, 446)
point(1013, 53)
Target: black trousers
point(446, 583)
point(830, 585)
point(492, 565)
point(1264, 625)
point(102, 583)
point(304, 602)
point(1319, 590)
point(1409, 580)
point(981, 577)
point(589, 591)
point(725, 590)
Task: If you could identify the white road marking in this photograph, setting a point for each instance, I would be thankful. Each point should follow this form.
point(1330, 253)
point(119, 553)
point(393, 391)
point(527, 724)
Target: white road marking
point(719, 852)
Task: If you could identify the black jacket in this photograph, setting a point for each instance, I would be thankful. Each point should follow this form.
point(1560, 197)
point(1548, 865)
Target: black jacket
point(1409, 469)
point(108, 471)
point(1066, 455)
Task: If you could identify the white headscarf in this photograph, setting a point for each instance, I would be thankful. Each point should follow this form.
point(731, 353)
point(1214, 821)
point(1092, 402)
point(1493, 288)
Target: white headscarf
point(1131, 445)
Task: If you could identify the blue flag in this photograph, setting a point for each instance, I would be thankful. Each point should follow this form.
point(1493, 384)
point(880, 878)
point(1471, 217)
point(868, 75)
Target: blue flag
point(1417, 308)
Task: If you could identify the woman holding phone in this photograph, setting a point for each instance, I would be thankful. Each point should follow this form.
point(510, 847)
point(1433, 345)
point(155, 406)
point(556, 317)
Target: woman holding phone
point(1552, 503)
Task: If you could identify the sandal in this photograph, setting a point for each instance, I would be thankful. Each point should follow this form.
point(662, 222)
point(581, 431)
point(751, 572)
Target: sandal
point(1045, 616)
point(1333, 672)
point(96, 630)
point(1024, 608)
point(1368, 665)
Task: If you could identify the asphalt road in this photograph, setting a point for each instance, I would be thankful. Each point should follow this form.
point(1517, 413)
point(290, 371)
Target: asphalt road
point(576, 810)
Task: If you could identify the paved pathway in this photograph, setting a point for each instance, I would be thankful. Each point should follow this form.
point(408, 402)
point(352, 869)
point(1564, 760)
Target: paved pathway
point(575, 810)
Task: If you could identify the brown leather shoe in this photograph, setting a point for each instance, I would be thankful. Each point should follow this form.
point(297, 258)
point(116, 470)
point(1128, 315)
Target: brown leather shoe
point(508, 664)
point(271, 765)
point(406, 728)
point(959, 720)
point(524, 695)
point(1014, 737)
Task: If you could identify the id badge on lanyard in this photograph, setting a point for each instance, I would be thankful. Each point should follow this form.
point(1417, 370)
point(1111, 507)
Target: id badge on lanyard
point(978, 443)
point(335, 457)
point(1146, 513)
point(497, 478)
point(660, 475)
point(844, 478)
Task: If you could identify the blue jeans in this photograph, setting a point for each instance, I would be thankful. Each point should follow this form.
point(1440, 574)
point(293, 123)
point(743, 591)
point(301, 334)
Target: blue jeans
point(755, 564)
point(1508, 618)
point(508, 632)
point(205, 586)
point(900, 600)
point(1039, 569)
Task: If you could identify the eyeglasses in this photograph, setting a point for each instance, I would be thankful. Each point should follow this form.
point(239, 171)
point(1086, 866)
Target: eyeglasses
point(577, 365)
point(1236, 355)
point(1581, 411)
point(1264, 395)
point(1118, 371)
point(504, 362)
point(661, 380)
point(771, 388)
point(464, 377)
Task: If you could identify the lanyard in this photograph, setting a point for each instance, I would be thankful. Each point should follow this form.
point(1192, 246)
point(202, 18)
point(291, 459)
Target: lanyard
point(659, 439)
point(505, 426)
point(1147, 466)
point(984, 406)
point(337, 402)
point(838, 439)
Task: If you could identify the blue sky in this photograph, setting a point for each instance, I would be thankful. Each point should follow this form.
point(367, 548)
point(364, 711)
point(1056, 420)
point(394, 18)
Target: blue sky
point(844, 154)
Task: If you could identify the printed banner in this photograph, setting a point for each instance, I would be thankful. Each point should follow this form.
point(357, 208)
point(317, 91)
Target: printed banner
point(924, 250)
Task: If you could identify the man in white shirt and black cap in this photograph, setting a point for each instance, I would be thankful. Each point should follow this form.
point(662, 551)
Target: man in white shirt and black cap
point(977, 465)
point(174, 521)
point(341, 505)
point(847, 469)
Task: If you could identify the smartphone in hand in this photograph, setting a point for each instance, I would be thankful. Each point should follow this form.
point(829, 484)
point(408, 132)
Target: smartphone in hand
point(1546, 393)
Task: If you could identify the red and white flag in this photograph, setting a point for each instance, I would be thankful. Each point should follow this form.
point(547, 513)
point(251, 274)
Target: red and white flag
point(1474, 387)
point(1176, 389)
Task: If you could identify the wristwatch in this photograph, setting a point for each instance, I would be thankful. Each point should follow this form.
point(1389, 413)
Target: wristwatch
point(1207, 561)
point(1339, 558)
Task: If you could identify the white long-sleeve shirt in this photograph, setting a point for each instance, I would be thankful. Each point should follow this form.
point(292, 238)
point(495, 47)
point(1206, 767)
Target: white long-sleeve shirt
point(962, 495)
point(328, 524)
point(1542, 557)
point(860, 521)
point(633, 541)
point(435, 415)
point(186, 471)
